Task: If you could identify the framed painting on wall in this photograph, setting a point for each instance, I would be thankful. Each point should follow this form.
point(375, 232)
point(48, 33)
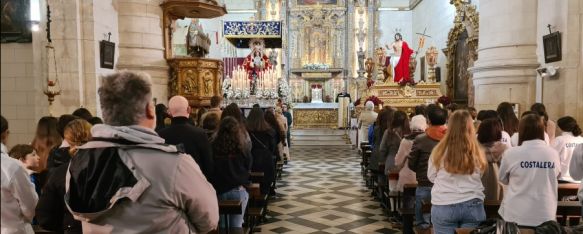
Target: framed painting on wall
point(107, 54)
point(552, 47)
point(15, 21)
point(314, 2)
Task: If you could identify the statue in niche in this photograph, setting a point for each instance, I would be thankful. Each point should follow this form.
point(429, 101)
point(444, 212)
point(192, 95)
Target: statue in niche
point(190, 85)
point(361, 55)
point(208, 83)
point(400, 58)
point(317, 41)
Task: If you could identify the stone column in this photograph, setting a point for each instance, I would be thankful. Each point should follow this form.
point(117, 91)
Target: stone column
point(141, 46)
point(505, 69)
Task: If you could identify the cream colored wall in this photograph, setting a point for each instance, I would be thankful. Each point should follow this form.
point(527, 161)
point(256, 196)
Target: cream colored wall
point(562, 95)
point(437, 16)
point(22, 99)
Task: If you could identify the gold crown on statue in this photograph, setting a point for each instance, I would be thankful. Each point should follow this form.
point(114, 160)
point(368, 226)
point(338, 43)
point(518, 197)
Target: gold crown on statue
point(257, 42)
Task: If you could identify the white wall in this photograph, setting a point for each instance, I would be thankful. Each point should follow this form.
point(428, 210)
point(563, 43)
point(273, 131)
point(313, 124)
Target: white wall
point(391, 20)
point(437, 16)
point(562, 96)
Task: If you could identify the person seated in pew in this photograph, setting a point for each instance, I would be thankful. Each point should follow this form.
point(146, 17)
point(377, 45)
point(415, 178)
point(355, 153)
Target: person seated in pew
point(384, 120)
point(263, 147)
point(418, 160)
point(406, 175)
point(565, 145)
point(455, 167)
point(390, 144)
point(231, 166)
point(576, 170)
point(514, 138)
point(530, 172)
point(489, 136)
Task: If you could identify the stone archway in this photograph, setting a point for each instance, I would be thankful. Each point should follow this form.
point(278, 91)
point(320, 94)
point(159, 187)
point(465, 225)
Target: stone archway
point(462, 41)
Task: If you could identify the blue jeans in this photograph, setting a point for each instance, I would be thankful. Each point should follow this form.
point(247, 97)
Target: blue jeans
point(466, 214)
point(238, 193)
point(422, 194)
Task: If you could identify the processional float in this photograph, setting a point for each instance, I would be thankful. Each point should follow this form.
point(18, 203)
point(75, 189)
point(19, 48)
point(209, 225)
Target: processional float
point(257, 79)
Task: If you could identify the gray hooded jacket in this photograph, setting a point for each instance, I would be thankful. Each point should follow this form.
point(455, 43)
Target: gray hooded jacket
point(127, 180)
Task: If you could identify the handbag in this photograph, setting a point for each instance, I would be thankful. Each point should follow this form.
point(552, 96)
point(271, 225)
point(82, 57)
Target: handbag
point(496, 226)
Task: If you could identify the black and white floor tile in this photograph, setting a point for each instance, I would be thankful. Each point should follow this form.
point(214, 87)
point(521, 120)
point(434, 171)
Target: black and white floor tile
point(322, 191)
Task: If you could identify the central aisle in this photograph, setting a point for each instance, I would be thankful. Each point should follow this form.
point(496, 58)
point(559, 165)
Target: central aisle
point(322, 191)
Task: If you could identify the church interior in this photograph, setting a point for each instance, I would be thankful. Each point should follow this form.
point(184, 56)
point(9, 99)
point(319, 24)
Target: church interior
point(336, 72)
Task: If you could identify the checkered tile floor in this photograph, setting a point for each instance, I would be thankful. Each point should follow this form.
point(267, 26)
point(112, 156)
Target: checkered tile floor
point(322, 191)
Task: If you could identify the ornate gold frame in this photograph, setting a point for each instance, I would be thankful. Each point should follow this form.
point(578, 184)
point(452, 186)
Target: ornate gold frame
point(467, 18)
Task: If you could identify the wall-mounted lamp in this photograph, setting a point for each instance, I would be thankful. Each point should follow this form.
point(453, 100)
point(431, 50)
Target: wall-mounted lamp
point(547, 72)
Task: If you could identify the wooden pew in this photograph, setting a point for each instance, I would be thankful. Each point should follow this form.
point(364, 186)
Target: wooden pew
point(227, 208)
point(39, 230)
point(469, 230)
point(255, 207)
point(568, 189)
point(407, 211)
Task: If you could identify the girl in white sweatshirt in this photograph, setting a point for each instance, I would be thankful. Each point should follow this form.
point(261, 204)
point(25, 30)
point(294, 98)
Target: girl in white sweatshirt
point(530, 172)
point(566, 144)
point(455, 167)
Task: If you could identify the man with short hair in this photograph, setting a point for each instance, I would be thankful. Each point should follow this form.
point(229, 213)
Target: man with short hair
point(83, 113)
point(126, 180)
point(419, 159)
point(215, 107)
point(18, 195)
point(193, 140)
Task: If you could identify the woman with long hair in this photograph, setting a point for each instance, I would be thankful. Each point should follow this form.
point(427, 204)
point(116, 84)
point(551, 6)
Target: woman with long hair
point(46, 138)
point(530, 172)
point(272, 121)
point(263, 147)
point(509, 119)
point(384, 120)
point(566, 143)
point(234, 111)
point(51, 212)
point(550, 126)
point(490, 136)
point(390, 144)
point(455, 168)
point(232, 164)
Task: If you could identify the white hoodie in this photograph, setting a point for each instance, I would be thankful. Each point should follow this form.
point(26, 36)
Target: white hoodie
point(530, 171)
point(565, 145)
point(18, 197)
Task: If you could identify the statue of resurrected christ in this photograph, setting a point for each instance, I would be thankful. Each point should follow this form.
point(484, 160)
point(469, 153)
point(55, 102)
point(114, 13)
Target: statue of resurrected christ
point(400, 58)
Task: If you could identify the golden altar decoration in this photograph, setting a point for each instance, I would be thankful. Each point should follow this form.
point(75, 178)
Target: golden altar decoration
point(404, 98)
point(197, 79)
point(315, 115)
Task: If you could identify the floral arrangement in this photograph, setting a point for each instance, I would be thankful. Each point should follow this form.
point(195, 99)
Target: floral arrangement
point(374, 99)
point(444, 100)
point(316, 66)
point(410, 82)
point(316, 86)
point(284, 91)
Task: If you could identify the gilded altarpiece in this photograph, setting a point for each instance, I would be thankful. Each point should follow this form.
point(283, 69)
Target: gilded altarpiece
point(461, 53)
point(317, 43)
point(196, 79)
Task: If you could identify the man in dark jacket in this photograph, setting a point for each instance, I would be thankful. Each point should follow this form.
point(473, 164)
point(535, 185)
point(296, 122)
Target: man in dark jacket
point(419, 158)
point(290, 121)
point(192, 140)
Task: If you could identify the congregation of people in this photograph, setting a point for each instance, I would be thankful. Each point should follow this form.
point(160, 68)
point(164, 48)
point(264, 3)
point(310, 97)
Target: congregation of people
point(458, 158)
point(143, 168)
